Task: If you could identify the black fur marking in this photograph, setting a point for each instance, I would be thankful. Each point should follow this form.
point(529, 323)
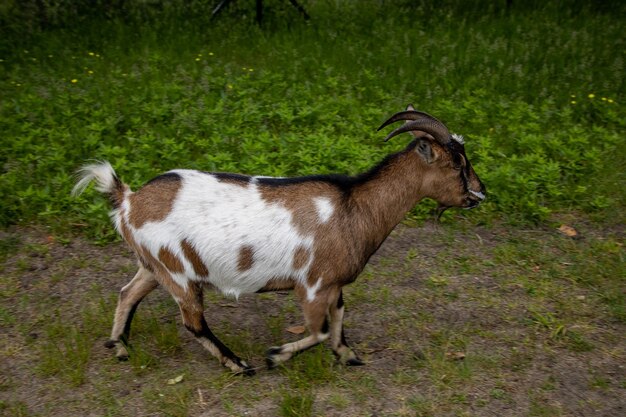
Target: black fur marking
point(129, 319)
point(167, 177)
point(248, 371)
point(345, 183)
point(276, 350)
point(109, 344)
point(271, 364)
point(325, 326)
point(119, 186)
point(355, 362)
point(340, 301)
point(227, 176)
point(206, 332)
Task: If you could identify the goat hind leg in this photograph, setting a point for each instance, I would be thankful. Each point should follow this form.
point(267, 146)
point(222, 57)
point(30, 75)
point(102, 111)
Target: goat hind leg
point(192, 311)
point(130, 297)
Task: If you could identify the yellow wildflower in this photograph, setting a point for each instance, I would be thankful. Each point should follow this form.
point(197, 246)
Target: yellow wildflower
point(90, 72)
point(197, 59)
point(91, 53)
point(250, 69)
point(573, 102)
point(591, 95)
point(74, 81)
point(210, 53)
point(230, 86)
point(610, 100)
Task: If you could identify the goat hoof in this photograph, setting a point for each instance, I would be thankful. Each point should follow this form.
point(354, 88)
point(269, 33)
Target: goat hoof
point(248, 371)
point(109, 344)
point(122, 354)
point(271, 356)
point(271, 363)
point(244, 369)
point(355, 362)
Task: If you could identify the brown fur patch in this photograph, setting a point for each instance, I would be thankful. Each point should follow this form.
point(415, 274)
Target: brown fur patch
point(299, 199)
point(154, 201)
point(170, 260)
point(162, 274)
point(192, 256)
point(246, 258)
point(279, 284)
point(300, 257)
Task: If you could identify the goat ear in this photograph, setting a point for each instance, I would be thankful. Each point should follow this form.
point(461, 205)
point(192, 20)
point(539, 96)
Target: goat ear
point(410, 107)
point(424, 148)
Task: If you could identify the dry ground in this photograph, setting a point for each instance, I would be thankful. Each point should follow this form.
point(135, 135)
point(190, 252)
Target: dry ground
point(451, 320)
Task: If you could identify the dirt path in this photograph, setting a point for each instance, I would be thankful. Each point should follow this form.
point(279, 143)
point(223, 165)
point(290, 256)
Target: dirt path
point(479, 322)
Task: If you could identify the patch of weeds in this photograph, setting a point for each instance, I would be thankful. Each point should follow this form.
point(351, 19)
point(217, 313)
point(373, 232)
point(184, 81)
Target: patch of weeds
point(164, 333)
point(314, 366)
point(173, 400)
point(239, 340)
point(9, 246)
point(65, 352)
point(422, 406)
point(6, 317)
point(338, 400)
point(549, 322)
point(276, 327)
point(498, 394)
point(519, 359)
point(14, 409)
point(541, 408)
point(577, 343)
point(141, 360)
point(549, 384)
point(437, 282)
point(298, 403)
point(599, 382)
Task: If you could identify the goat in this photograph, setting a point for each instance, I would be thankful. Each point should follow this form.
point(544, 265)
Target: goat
point(246, 234)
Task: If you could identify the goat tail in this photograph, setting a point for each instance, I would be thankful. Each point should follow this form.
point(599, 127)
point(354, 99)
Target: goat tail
point(107, 181)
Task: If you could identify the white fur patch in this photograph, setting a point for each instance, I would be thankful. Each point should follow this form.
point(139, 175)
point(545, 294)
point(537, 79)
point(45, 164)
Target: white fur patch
point(477, 194)
point(101, 171)
point(312, 291)
point(458, 138)
point(217, 218)
point(324, 208)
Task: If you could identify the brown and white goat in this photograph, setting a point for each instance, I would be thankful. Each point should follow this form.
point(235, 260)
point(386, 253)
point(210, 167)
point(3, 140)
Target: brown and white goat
point(246, 234)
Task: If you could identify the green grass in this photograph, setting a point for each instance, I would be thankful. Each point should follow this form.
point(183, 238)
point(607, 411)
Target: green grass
point(538, 91)
point(296, 98)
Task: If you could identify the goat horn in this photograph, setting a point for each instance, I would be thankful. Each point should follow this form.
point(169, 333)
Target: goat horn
point(433, 127)
point(408, 115)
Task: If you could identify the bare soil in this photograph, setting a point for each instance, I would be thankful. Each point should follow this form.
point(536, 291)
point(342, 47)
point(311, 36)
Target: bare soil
point(442, 325)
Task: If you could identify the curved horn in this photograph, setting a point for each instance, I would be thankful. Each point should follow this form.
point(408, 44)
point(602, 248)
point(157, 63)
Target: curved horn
point(433, 127)
point(408, 115)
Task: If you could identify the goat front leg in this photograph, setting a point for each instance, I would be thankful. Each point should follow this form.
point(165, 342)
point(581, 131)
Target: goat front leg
point(192, 310)
point(337, 336)
point(130, 297)
point(315, 311)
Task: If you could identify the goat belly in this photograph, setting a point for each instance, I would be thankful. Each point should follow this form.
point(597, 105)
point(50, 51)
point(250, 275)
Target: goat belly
point(225, 233)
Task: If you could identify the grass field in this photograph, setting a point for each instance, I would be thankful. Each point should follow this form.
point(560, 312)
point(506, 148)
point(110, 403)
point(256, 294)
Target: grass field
point(491, 312)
